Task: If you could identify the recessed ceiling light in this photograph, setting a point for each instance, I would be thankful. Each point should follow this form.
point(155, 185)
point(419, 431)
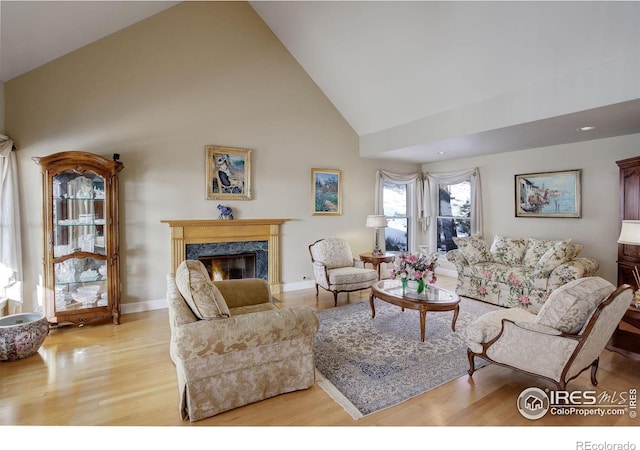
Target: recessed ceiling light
point(441, 153)
point(587, 128)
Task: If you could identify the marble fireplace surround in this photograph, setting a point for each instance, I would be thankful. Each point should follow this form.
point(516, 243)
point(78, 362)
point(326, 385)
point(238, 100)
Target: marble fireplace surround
point(210, 231)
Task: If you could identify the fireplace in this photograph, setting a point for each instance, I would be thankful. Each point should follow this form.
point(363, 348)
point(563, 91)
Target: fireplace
point(211, 239)
point(230, 267)
point(248, 259)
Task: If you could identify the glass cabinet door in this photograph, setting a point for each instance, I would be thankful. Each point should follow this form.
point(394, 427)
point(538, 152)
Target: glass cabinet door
point(81, 244)
point(79, 240)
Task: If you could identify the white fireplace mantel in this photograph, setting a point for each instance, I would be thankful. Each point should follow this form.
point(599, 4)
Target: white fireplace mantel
point(184, 232)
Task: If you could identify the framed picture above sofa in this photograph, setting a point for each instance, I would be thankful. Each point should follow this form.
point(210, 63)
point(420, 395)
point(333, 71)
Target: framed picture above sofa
point(548, 194)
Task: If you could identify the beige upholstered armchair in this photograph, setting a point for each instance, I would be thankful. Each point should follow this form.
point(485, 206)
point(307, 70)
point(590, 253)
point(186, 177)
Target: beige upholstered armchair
point(564, 339)
point(232, 345)
point(336, 270)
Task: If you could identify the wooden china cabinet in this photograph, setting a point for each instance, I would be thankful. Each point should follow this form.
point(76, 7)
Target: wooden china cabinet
point(80, 237)
point(629, 197)
point(626, 337)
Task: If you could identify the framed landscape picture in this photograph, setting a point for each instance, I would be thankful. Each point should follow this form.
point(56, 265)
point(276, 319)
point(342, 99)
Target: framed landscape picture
point(326, 189)
point(548, 194)
point(228, 173)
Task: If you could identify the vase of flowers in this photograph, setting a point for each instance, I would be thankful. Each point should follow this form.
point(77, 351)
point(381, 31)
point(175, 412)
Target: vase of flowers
point(409, 267)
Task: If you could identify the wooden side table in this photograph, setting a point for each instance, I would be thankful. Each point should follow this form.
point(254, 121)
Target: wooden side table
point(376, 260)
point(627, 342)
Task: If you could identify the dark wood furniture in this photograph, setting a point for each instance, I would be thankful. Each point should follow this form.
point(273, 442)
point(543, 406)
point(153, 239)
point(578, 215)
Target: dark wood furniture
point(376, 260)
point(431, 299)
point(626, 338)
point(623, 341)
point(81, 246)
point(629, 197)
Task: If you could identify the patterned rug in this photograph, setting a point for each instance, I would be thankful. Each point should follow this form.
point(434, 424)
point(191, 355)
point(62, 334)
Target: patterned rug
point(367, 365)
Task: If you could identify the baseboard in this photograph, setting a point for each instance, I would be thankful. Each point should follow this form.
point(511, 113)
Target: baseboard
point(149, 305)
point(307, 284)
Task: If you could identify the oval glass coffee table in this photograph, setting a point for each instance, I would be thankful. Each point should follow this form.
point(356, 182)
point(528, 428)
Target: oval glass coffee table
point(431, 299)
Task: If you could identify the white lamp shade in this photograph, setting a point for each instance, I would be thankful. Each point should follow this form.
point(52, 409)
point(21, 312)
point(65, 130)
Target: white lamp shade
point(630, 232)
point(376, 222)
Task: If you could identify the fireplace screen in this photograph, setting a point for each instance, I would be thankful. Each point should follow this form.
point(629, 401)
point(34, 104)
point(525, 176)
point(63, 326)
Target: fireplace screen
point(230, 267)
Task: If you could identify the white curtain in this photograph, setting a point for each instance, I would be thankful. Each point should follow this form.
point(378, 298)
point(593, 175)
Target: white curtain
point(10, 241)
point(431, 197)
point(415, 191)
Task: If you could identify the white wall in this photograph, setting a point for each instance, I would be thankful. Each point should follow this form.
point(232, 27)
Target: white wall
point(156, 93)
point(599, 226)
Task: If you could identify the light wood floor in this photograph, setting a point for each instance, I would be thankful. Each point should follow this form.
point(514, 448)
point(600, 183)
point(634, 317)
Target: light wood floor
point(121, 375)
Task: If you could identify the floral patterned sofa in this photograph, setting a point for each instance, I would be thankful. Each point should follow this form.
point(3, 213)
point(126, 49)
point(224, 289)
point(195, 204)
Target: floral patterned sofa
point(517, 272)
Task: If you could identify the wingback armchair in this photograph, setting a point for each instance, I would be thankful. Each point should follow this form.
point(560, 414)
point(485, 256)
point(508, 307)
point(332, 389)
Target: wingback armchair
point(336, 270)
point(564, 339)
point(232, 345)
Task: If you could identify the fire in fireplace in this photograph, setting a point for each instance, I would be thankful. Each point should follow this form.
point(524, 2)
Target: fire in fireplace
point(229, 260)
point(230, 267)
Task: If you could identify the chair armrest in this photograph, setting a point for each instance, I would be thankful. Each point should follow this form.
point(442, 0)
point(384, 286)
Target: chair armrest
point(523, 340)
point(538, 328)
point(320, 273)
point(531, 331)
point(457, 259)
point(532, 350)
point(244, 292)
point(238, 333)
point(358, 263)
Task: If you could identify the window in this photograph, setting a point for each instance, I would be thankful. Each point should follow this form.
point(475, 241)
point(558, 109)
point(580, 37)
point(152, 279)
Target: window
point(454, 207)
point(395, 204)
point(454, 214)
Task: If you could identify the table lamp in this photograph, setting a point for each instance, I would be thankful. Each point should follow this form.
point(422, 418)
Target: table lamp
point(630, 235)
point(376, 222)
point(630, 232)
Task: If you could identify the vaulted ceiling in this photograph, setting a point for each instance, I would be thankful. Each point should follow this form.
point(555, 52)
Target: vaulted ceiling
point(419, 81)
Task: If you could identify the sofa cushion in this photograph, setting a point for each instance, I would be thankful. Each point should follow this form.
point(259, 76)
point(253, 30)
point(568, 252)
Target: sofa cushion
point(560, 253)
point(473, 248)
point(569, 307)
point(508, 250)
point(536, 248)
point(351, 275)
point(500, 273)
point(202, 296)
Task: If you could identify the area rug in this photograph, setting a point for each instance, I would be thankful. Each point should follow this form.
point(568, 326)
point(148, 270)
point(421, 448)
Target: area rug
point(367, 365)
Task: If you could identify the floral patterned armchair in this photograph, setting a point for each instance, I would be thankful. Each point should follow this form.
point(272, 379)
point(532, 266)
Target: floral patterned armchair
point(517, 272)
point(336, 270)
point(560, 342)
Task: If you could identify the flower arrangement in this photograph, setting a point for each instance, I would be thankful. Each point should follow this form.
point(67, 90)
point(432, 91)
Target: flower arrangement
point(409, 267)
